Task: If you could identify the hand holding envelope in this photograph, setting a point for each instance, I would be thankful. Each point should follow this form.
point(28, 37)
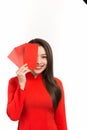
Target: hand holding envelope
point(25, 53)
point(24, 56)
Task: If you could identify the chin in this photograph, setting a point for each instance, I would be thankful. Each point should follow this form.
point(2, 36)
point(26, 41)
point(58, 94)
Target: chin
point(38, 71)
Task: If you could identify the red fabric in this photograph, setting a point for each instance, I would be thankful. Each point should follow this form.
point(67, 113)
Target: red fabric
point(30, 55)
point(25, 53)
point(32, 107)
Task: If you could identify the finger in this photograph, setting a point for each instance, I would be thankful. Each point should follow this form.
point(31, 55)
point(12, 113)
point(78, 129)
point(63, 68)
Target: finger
point(27, 71)
point(23, 71)
point(22, 68)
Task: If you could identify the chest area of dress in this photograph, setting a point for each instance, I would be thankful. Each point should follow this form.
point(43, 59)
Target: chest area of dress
point(37, 94)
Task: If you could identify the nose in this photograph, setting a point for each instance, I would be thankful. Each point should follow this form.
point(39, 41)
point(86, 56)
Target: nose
point(38, 60)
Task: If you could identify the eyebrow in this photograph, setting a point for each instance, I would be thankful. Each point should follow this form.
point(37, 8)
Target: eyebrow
point(43, 54)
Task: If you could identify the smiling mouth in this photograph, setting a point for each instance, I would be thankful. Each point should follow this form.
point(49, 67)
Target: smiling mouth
point(39, 67)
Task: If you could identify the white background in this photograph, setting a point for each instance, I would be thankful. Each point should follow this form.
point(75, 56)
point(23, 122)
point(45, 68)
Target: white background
point(63, 23)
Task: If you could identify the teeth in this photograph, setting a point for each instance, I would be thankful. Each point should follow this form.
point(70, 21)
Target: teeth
point(38, 67)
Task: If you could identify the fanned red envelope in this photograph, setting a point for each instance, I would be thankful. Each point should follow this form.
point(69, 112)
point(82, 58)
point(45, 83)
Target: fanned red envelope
point(30, 55)
point(25, 53)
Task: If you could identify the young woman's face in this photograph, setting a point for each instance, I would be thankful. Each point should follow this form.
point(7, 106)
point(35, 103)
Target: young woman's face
point(41, 61)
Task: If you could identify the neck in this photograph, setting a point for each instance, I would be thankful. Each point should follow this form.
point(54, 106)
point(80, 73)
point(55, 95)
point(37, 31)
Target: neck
point(34, 74)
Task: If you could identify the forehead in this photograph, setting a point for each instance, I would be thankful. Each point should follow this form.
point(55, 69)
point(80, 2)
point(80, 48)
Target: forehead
point(41, 50)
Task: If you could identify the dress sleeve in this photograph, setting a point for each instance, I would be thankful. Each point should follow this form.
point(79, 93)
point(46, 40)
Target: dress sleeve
point(60, 114)
point(15, 99)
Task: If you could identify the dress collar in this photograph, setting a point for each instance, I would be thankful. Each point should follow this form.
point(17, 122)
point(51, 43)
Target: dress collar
point(31, 76)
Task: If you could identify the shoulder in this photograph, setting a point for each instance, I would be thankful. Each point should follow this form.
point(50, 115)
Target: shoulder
point(12, 84)
point(13, 80)
point(59, 82)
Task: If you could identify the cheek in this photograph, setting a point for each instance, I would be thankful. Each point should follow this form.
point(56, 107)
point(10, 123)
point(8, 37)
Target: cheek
point(46, 63)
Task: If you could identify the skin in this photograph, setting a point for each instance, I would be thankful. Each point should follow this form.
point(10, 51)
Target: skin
point(40, 67)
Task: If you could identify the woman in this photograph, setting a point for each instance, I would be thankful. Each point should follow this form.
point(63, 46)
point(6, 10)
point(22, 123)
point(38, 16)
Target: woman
point(36, 97)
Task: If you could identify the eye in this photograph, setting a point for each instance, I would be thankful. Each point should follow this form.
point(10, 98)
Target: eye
point(45, 56)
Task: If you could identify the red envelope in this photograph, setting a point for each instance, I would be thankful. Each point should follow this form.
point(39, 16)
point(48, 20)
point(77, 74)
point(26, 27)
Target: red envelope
point(30, 55)
point(25, 53)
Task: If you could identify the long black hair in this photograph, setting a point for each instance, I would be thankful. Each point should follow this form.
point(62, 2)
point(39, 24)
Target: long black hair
point(48, 77)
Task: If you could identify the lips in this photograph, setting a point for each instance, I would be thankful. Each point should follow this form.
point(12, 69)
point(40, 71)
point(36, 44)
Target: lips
point(39, 67)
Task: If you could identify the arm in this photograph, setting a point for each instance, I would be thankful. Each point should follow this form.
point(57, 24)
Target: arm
point(15, 99)
point(60, 114)
point(16, 93)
